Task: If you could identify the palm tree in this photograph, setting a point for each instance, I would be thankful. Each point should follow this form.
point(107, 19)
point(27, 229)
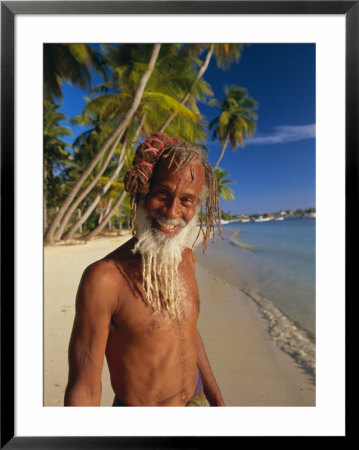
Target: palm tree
point(225, 54)
point(113, 138)
point(171, 75)
point(224, 190)
point(55, 154)
point(86, 147)
point(108, 182)
point(236, 121)
point(70, 63)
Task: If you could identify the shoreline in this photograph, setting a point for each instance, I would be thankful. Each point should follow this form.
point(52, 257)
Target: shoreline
point(259, 269)
point(288, 335)
point(250, 368)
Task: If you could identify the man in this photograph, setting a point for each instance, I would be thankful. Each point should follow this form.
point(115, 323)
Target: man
point(140, 304)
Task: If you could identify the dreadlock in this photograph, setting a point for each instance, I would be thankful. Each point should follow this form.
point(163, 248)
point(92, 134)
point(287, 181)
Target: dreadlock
point(138, 179)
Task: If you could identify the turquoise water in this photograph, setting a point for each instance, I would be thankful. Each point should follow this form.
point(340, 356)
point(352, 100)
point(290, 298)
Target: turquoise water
point(274, 263)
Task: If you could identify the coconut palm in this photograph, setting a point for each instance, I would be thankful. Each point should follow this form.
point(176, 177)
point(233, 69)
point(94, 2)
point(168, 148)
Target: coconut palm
point(225, 54)
point(107, 182)
point(55, 154)
point(121, 198)
point(112, 139)
point(224, 190)
point(123, 202)
point(71, 63)
point(236, 121)
point(172, 77)
point(172, 74)
point(85, 148)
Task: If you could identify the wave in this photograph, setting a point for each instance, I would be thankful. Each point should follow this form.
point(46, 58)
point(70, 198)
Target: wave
point(234, 240)
point(287, 335)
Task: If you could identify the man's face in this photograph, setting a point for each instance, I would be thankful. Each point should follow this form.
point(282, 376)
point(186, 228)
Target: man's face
point(173, 198)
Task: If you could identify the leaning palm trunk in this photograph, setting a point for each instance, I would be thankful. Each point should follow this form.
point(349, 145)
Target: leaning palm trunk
point(107, 218)
point(98, 198)
point(186, 97)
point(107, 210)
point(224, 146)
point(59, 232)
point(50, 234)
point(114, 176)
point(120, 129)
point(45, 209)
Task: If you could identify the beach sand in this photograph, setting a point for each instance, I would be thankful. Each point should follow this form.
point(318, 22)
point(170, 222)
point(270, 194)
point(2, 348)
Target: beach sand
point(250, 369)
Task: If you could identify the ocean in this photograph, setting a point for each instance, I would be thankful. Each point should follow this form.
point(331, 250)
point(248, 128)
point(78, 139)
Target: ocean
point(274, 263)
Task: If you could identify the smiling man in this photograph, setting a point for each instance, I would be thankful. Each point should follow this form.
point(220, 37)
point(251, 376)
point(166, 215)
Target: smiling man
point(140, 304)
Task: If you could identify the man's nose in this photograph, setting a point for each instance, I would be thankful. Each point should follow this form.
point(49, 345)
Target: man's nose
point(172, 209)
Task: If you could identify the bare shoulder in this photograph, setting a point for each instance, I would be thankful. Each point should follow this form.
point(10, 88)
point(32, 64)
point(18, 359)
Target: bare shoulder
point(97, 287)
point(99, 273)
point(101, 281)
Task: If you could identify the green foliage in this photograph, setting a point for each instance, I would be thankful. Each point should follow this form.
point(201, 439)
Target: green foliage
point(299, 212)
point(174, 77)
point(224, 190)
point(227, 215)
point(70, 63)
point(237, 119)
point(56, 156)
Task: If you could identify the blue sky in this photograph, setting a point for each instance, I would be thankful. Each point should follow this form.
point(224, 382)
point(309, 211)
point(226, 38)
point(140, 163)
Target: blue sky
point(276, 169)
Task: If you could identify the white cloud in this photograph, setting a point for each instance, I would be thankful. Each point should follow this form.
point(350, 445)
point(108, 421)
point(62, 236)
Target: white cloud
point(283, 134)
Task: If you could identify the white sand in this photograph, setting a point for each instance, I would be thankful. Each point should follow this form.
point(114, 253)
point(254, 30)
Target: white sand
point(63, 267)
point(250, 369)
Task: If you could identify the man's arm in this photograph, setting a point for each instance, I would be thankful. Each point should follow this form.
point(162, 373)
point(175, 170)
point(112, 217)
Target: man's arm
point(95, 302)
point(210, 385)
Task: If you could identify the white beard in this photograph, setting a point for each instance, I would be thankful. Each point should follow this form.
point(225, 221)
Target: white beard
point(161, 254)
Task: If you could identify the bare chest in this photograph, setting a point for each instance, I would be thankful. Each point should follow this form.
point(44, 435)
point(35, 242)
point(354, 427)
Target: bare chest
point(135, 318)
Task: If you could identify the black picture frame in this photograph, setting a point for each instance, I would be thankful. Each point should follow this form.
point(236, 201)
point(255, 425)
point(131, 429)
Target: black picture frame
point(9, 9)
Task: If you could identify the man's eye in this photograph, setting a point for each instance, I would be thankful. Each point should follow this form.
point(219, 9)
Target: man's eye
point(187, 200)
point(161, 193)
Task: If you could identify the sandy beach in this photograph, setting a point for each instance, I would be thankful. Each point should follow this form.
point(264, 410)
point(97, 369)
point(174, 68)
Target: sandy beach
point(250, 369)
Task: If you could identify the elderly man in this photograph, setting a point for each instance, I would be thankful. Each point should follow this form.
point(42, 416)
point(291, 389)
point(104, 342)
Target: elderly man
point(139, 305)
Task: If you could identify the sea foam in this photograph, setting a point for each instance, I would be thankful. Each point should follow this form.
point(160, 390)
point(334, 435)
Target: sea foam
point(274, 265)
point(290, 338)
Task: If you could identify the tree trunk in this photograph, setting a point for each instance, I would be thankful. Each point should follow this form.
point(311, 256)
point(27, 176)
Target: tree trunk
point(101, 216)
point(107, 218)
point(49, 237)
point(45, 214)
point(107, 210)
point(222, 152)
point(59, 232)
point(44, 197)
point(79, 217)
point(119, 220)
point(98, 198)
point(198, 77)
